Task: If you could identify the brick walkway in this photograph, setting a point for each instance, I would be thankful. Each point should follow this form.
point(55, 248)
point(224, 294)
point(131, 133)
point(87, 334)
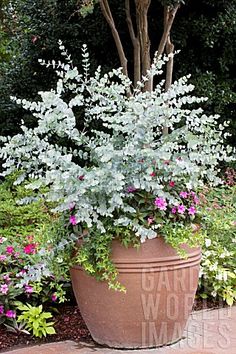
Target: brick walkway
point(208, 332)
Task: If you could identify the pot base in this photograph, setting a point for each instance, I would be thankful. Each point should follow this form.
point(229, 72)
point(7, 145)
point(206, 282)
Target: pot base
point(116, 346)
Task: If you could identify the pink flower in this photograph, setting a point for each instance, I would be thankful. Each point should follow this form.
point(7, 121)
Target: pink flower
point(16, 254)
point(196, 200)
point(54, 297)
point(1, 309)
point(29, 289)
point(192, 210)
point(160, 203)
point(171, 183)
point(3, 257)
point(183, 195)
point(150, 220)
point(166, 162)
point(4, 289)
point(181, 209)
point(81, 178)
point(153, 174)
point(174, 210)
point(21, 273)
point(10, 314)
point(10, 249)
point(73, 220)
point(30, 248)
point(131, 189)
point(6, 277)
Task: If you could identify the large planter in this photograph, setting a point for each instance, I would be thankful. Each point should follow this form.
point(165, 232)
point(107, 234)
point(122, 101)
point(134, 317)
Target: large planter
point(160, 290)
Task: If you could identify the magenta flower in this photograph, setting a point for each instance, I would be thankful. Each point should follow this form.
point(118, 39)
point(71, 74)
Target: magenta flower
point(160, 203)
point(4, 289)
point(10, 249)
point(54, 297)
point(181, 209)
point(131, 189)
point(30, 248)
point(192, 210)
point(73, 220)
point(21, 273)
point(81, 178)
point(153, 174)
point(171, 183)
point(29, 289)
point(183, 195)
point(174, 210)
point(3, 257)
point(10, 314)
point(1, 309)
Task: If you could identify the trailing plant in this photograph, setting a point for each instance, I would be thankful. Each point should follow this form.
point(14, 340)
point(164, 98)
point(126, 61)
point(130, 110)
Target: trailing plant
point(94, 253)
point(129, 173)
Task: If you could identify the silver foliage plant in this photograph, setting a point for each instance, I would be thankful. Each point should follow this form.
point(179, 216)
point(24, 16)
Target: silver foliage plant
point(122, 153)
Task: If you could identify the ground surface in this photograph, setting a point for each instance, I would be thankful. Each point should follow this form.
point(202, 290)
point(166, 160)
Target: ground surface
point(208, 332)
point(69, 325)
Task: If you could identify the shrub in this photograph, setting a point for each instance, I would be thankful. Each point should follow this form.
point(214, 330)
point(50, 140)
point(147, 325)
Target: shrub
point(128, 172)
point(218, 266)
point(27, 270)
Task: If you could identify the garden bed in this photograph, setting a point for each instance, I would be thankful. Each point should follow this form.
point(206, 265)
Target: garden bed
point(69, 325)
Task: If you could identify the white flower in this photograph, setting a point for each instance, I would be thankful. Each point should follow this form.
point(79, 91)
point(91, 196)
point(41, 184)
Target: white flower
point(207, 242)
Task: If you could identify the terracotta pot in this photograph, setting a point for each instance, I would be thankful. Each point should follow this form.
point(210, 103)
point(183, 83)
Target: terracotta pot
point(160, 290)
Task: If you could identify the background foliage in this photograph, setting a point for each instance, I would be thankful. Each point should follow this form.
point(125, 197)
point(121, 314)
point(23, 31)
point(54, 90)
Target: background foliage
point(205, 32)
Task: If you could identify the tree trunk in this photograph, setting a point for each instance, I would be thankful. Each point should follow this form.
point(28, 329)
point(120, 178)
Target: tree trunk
point(142, 7)
point(135, 42)
point(109, 18)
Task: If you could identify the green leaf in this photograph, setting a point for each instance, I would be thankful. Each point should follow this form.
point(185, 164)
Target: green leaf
point(50, 330)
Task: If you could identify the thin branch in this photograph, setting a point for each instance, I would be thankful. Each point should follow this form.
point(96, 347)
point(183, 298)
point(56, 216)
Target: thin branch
point(169, 16)
point(170, 64)
point(135, 42)
point(109, 18)
point(169, 71)
point(129, 21)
